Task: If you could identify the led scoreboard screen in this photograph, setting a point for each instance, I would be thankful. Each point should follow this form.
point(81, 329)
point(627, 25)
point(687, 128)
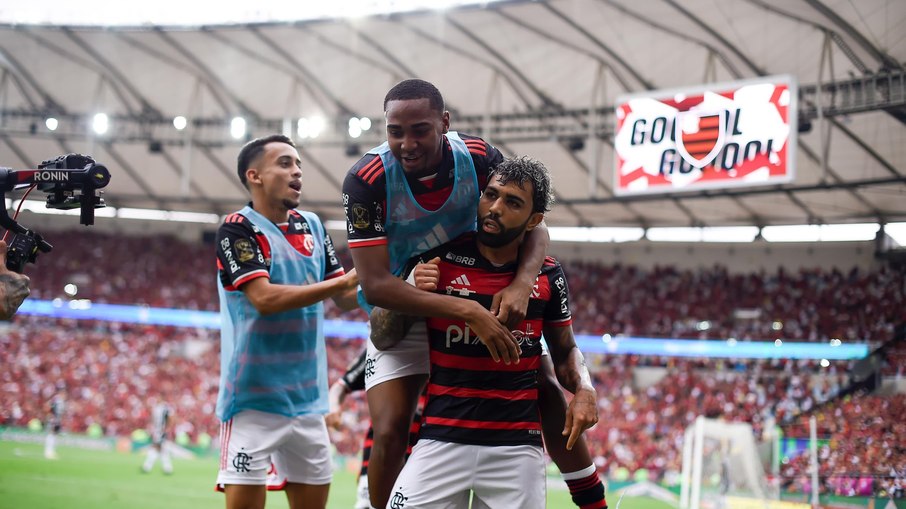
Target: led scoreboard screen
point(713, 136)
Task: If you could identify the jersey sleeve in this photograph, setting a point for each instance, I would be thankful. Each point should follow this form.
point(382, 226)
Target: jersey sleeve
point(556, 313)
point(485, 156)
point(240, 257)
point(354, 378)
point(364, 201)
point(333, 267)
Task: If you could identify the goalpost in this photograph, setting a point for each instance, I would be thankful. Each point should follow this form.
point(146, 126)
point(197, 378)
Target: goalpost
point(721, 462)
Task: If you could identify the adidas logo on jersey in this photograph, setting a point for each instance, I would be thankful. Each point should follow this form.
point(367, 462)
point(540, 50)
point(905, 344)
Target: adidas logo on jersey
point(463, 281)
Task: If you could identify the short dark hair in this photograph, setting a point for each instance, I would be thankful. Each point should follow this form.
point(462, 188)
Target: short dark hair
point(253, 150)
point(416, 89)
point(525, 169)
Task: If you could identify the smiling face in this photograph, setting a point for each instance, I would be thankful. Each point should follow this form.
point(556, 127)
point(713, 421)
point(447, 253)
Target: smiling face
point(276, 176)
point(415, 134)
point(505, 212)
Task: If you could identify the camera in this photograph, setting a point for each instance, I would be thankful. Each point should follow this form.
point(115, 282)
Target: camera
point(70, 181)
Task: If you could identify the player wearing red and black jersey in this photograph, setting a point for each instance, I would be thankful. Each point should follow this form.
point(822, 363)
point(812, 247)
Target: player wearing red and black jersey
point(276, 266)
point(365, 189)
point(481, 434)
point(472, 400)
point(412, 193)
point(244, 253)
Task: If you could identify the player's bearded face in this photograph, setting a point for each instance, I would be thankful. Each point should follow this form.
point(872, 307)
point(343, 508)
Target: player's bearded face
point(492, 233)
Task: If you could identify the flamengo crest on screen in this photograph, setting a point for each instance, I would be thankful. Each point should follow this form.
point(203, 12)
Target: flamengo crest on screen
point(720, 135)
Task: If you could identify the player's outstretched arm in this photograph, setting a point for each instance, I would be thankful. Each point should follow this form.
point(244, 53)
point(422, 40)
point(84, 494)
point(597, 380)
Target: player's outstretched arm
point(269, 298)
point(572, 373)
point(385, 290)
point(511, 303)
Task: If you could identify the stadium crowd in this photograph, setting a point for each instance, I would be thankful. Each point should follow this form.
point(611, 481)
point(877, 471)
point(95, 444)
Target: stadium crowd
point(811, 305)
point(110, 371)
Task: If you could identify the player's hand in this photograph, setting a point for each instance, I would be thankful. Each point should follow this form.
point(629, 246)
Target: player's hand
point(581, 414)
point(13, 287)
point(495, 336)
point(510, 304)
point(426, 275)
point(351, 279)
point(334, 419)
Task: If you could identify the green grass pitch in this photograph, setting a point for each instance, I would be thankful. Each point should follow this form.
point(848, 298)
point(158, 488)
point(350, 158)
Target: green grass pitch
point(111, 480)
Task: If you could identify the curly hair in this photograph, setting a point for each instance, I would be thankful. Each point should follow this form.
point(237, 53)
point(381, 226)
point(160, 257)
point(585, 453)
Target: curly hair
point(524, 169)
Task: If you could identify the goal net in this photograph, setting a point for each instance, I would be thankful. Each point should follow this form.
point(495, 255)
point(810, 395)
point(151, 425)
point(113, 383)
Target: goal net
point(721, 467)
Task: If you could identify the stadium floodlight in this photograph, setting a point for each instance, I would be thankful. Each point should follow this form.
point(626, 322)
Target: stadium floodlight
point(310, 127)
point(100, 123)
point(354, 130)
point(237, 127)
point(51, 123)
point(180, 122)
point(365, 123)
point(303, 128)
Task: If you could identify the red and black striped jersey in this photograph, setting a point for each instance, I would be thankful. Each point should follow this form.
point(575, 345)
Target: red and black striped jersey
point(471, 398)
point(251, 253)
point(365, 191)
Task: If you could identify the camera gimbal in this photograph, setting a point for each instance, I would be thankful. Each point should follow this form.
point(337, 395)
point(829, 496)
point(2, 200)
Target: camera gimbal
point(70, 181)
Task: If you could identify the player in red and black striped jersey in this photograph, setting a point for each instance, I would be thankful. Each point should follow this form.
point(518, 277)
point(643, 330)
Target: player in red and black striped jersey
point(366, 193)
point(481, 433)
point(471, 399)
point(247, 254)
point(413, 193)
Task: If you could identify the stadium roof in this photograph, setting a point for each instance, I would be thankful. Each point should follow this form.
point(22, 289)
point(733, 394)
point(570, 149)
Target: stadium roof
point(529, 76)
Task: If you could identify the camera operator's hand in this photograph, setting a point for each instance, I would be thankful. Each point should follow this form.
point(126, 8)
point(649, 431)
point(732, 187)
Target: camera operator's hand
point(13, 287)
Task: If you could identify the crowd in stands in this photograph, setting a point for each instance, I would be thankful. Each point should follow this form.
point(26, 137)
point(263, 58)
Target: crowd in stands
point(865, 451)
point(811, 305)
point(109, 371)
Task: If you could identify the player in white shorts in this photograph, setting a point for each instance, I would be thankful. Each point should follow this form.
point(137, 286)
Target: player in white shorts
point(412, 193)
point(480, 437)
point(276, 265)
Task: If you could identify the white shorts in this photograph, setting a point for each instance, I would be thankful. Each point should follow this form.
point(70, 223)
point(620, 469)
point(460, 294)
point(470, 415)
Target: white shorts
point(442, 475)
point(408, 357)
point(299, 448)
